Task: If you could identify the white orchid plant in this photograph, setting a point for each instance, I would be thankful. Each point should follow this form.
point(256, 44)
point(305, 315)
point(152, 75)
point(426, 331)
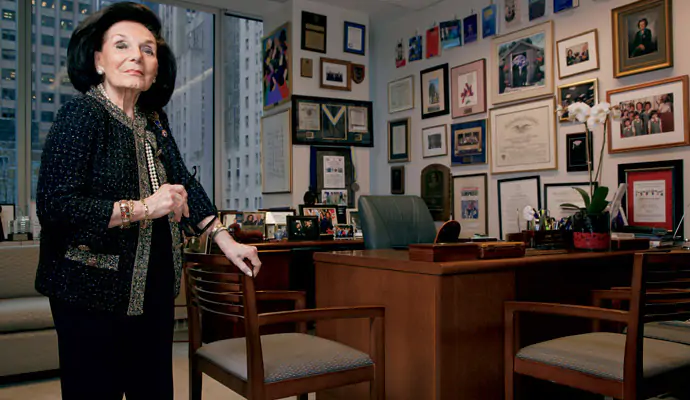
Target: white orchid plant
point(592, 117)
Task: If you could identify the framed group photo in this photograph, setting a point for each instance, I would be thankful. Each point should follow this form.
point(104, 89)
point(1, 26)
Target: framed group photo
point(470, 204)
point(468, 88)
point(654, 115)
point(468, 143)
point(327, 216)
point(335, 74)
point(578, 54)
point(399, 140)
point(583, 92)
point(434, 93)
point(435, 141)
point(522, 64)
point(642, 37)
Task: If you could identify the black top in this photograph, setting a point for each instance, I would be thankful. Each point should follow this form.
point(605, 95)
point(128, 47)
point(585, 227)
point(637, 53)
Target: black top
point(93, 158)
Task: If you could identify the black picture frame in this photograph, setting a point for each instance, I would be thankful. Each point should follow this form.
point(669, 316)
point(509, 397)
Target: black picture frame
point(309, 234)
point(314, 24)
point(522, 178)
point(398, 179)
point(576, 162)
point(676, 166)
point(323, 136)
point(316, 169)
point(340, 216)
point(445, 96)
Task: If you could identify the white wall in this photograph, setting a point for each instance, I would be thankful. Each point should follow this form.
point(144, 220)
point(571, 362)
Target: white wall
point(591, 14)
point(310, 87)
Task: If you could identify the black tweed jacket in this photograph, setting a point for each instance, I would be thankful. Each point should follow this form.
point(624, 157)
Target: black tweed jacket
point(93, 157)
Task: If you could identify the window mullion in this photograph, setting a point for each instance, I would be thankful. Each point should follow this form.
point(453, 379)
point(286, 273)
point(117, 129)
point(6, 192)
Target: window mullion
point(24, 105)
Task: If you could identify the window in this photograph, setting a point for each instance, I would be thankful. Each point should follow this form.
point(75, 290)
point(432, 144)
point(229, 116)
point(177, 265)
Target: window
point(47, 79)
point(237, 204)
point(246, 100)
point(9, 94)
point(256, 203)
point(246, 64)
point(246, 180)
point(63, 61)
point(47, 116)
point(84, 8)
point(47, 59)
point(246, 44)
point(9, 34)
point(48, 3)
point(9, 15)
point(246, 121)
point(48, 22)
point(8, 113)
point(47, 97)
point(8, 74)
point(237, 171)
point(67, 6)
point(64, 98)
point(246, 140)
point(246, 83)
point(246, 203)
point(9, 54)
point(66, 25)
point(64, 42)
point(246, 161)
point(47, 40)
point(64, 81)
point(229, 163)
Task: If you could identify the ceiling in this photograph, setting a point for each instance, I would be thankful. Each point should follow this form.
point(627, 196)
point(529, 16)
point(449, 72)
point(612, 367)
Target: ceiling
point(375, 8)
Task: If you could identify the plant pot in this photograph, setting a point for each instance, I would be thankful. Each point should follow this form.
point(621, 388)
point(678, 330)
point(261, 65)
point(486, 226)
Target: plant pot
point(592, 231)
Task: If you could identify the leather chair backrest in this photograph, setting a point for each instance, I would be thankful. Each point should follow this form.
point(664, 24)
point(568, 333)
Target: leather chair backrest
point(394, 221)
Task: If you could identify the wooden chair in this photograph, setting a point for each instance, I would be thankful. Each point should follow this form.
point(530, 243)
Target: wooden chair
point(262, 367)
point(624, 366)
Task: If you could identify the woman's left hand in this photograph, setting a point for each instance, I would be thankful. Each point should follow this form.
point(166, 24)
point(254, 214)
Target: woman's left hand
point(238, 252)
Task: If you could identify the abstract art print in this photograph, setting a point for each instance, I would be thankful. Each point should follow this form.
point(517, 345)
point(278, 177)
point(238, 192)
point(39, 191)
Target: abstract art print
point(277, 79)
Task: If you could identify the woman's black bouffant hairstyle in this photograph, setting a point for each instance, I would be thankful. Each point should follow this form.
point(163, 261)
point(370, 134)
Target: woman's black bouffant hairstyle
point(88, 38)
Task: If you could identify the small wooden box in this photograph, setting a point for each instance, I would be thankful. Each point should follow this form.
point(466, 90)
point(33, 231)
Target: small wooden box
point(630, 244)
point(443, 252)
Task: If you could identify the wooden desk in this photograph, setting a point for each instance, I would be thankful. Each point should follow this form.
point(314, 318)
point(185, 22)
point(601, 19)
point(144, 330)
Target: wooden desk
point(444, 321)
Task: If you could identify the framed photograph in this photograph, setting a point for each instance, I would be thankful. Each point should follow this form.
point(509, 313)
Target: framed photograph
point(433, 42)
point(514, 195)
point(276, 153)
point(654, 115)
point(401, 94)
point(562, 5)
point(470, 204)
point(7, 212)
point(333, 122)
point(331, 169)
point(537, 9)
point(314, 30)
point(470, 28)
point(344, 232)
point(523, 64)
point(642, 37)
point(523, 137)
point(306, 68)
point(468, 88)
point(399, 140)
point(585, 92)
point(556, 194)
point(355, 38)
point(489, 21)
point(353, 219)
point(400, 60)
point(335, 74)
point(450, 34)
point(468, 143)
point(434, 141)
point(276, 56)
point(254, 221)
point(415, 48)
point(576, 151)
point(229, 217)
point(327, 217)
point(512, 14)
point(277, 216)
point(654, 196)
point(436, 183)
point(398, 179)
point(434, 94)
point(578, 54)
point(334, 197)
point(302, 228)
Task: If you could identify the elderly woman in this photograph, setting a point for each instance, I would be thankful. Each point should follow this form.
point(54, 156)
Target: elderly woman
point(113, 193)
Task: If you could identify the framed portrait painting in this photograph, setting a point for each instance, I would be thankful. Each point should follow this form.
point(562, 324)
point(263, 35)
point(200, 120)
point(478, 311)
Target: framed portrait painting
point(434, 141)
point(642, 37)
point(468, 143)
point(654, 115)
point(468, 88)
point(654, 195)
point(470, 204)
point(335, 74)
point(401, 94)
point(578, 54)
point(277, 75)
point(522, 64)
point(583, 92)
point(399, 140)
point(523, 137)
point(434, 92)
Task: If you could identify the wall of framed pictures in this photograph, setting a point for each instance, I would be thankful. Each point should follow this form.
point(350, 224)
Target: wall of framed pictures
point(621, 51)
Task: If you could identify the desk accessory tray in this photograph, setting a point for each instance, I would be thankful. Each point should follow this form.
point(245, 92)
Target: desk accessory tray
point(443, 252)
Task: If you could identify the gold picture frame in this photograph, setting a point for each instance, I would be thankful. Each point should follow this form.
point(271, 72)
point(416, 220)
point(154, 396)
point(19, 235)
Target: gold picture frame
point(580, 90)
point(335, 74)
point(652, 44)
point(584, 48)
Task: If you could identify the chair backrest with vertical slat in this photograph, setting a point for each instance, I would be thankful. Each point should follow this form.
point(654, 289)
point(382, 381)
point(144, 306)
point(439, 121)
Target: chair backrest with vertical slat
point(666, 285)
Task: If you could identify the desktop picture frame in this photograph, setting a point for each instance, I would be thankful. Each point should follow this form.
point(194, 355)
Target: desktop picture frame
point(296, 233)
point(471, 204)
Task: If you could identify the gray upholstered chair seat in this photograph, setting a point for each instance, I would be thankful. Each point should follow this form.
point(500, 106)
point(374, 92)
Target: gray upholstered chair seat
point(25, 314)
point(601, 354)
point(286, 356)
point(672, 331)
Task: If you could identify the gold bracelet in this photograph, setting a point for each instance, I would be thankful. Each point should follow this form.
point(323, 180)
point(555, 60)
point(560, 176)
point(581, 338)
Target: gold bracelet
point(131, 208)
point(219, 226)
point(146, 213)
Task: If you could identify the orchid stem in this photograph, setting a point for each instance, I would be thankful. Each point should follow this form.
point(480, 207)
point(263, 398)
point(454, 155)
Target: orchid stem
point(601, 155)
point(589, 159)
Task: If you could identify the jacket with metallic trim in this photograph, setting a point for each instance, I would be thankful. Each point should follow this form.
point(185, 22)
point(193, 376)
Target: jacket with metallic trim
point(94, 156)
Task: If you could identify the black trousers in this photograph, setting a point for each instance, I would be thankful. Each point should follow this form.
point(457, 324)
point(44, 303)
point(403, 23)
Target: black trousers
point(105, 356)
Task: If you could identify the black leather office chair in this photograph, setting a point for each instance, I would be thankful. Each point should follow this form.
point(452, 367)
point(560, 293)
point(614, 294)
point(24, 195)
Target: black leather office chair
point(395, 221)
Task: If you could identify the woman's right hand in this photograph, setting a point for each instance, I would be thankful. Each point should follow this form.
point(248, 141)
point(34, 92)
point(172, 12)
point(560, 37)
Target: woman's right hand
point(168, 198)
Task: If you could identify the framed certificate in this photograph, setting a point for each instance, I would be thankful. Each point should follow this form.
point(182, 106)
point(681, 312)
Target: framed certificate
point(513, 196)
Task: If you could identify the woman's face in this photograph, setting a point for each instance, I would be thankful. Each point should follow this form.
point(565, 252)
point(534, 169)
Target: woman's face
point(128, 56)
